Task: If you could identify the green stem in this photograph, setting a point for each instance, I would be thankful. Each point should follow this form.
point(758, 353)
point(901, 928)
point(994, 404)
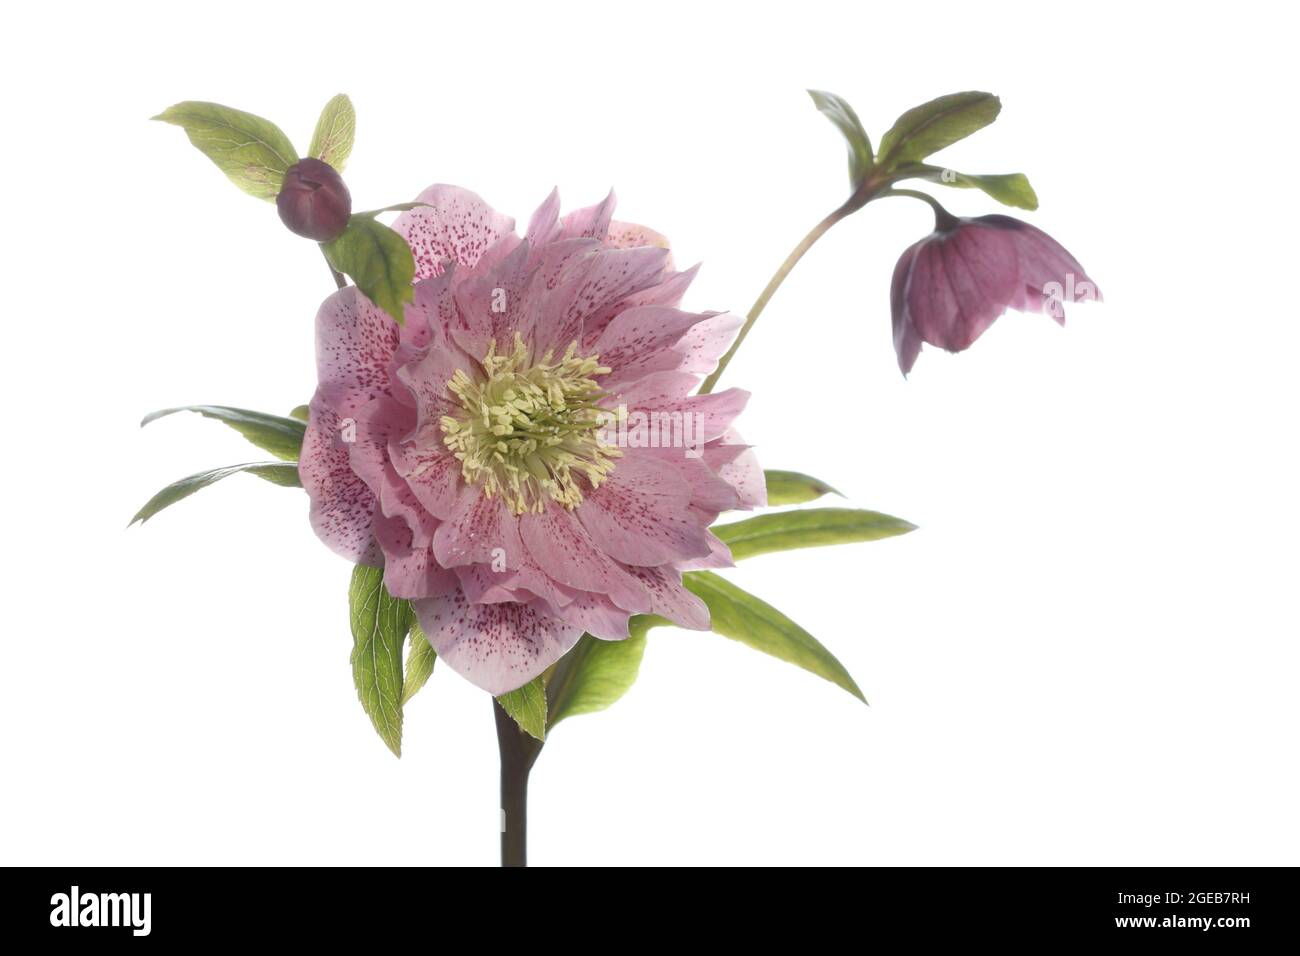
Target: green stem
point(518, 754)
point(943, 219)
point(339, 279)
point(760, 304)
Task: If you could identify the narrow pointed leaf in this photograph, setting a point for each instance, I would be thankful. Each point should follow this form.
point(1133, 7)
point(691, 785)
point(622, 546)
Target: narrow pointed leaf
point(253, 152)
point(379, 626)
point(527, 706)
point(739, 615)
point(395, 207)
point(808, 528)
point(335, 130)
point(276, 472)
point(794, 488)
point(282, 437)
point(839, 112)
point(1010, 189)
point(419, 662)
point(595, 673)
point(941, 122)
point(378, 260)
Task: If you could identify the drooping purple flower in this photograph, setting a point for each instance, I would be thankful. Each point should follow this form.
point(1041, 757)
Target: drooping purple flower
point(314, 201)
point(950, 287)
point(481, 452)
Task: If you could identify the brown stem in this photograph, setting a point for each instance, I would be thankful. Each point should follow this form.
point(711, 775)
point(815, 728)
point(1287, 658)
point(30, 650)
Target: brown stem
point(518, 753)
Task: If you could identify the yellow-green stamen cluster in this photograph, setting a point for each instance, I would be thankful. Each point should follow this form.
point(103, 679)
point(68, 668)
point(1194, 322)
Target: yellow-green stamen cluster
point(529, 429)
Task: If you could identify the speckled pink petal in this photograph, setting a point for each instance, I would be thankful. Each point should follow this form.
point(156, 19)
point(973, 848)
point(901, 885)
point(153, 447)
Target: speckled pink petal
point(410, 570)
point(702, 417)
point(559, 544)
point(594, 613)
point(544, 224)
point(496, 303)
point(629, 235)
point(355, 342)
point(668, 291)
point(668, 598)
point(705, 342)
point(719, 556)
point(480, 530)
point(606, 276)
point(433, 474)
point(641, 341)
point(454, 224)
point(735, 463)
point(342, 506)
point(497, 647)
point(638, 514)
point(591, 222)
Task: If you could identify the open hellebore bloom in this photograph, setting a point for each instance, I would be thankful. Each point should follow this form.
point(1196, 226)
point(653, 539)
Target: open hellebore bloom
point(523, 455)
point(949, 287)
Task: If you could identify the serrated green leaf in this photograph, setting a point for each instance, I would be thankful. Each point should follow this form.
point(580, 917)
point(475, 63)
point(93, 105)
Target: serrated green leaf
point(282, 437)
point(931, 126)
point(378, 260)
point(839, 112)
point(419, 662)
point(794, 488)
point(277, 472)
point(807, 528)
point(527, 706)
point(253, 152)
point(335, 130)
point(739, 615)
point(595, 673)
point(301, 412)
point(379, 625)
point(1010, 189)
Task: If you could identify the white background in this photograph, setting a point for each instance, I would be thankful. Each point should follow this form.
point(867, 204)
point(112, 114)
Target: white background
point(1087, 654)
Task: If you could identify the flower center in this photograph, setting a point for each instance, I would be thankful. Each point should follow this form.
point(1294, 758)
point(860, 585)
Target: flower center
point(528, 429)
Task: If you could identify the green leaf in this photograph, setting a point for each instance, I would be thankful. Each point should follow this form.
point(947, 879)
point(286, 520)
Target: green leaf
point(1010, 189)
point(301, 412)
point(276, 472)
point(794, 488)
point(378, 260)
point(395, 207)
point(740, 616)
point(595, 673)
point(332, 141)
point(419, 662)
point(254, 153)
point(527, 705)
point(379, 626)
point(838, 111)
point(941, 122)
point(282, 437)
point(807, 528)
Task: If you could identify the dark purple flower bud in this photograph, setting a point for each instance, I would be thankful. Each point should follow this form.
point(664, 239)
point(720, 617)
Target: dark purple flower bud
point(314, 202)
point(949, 287)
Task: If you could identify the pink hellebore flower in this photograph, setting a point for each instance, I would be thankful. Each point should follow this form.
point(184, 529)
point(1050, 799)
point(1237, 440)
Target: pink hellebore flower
point(481, 452)
point(949, 287)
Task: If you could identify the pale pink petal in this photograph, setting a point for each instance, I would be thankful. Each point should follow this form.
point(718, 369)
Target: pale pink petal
point(705, 342)
point(735, 463)
point(719, 556)
point(594, 613)
point(605, 277)
point(629, 235)
point(641, 340)
point(497, 647)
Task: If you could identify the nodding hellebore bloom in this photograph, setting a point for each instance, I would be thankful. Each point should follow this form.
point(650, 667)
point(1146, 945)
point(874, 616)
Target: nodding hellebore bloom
point(468, 452)
point(949, 287)
point(314, 201)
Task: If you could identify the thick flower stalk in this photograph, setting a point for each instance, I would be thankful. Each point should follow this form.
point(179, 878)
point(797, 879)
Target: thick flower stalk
point(524, 455)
